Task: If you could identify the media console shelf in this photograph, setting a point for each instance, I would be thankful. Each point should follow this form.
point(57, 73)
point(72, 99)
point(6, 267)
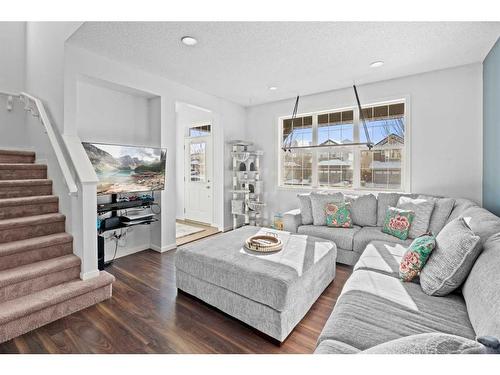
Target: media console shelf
point(114, 222)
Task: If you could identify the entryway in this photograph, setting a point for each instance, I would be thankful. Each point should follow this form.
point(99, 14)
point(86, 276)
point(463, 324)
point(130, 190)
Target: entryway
point(188, 231)
point(198, 192)
point(198, 196)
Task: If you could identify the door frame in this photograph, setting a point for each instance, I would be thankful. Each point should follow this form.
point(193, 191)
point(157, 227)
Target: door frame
point(211, 154)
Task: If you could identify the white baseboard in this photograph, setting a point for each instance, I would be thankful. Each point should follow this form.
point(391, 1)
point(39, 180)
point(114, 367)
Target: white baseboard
point(227, 229)
point(163, 248)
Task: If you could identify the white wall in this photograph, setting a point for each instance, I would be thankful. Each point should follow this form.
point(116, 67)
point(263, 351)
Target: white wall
point(186, 116)
point(112, 116)
point(445, 131)
point(12, 68)
point(45, 44)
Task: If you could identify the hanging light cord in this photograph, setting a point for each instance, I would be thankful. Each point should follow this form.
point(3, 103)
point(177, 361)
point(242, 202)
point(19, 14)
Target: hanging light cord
point(288, 147)
point(369, 143)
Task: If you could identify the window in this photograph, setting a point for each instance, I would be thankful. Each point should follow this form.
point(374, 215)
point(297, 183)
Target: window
point(200, 131)
point(197, 161)
point(346, 165)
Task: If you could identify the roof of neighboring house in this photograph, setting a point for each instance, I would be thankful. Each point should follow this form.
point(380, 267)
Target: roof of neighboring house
point(391, 137)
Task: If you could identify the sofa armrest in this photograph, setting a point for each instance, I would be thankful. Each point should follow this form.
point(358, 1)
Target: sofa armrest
point(292, 220)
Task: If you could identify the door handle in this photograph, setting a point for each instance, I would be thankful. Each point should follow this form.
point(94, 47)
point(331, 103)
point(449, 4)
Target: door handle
point(208, 187)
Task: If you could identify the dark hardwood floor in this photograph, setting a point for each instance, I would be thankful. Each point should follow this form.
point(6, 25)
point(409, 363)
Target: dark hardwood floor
point(145, 315)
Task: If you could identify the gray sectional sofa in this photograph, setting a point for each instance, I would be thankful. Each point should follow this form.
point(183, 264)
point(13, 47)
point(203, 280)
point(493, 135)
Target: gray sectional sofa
point(375, 307)
point(352, 242)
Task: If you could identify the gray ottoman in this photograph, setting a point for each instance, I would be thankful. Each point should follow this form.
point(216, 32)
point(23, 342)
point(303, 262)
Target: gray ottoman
point(270, 292)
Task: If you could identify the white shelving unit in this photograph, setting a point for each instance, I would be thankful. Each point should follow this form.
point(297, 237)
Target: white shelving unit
point(246, 205)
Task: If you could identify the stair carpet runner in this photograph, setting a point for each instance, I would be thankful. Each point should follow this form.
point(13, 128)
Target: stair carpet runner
point(39, 274)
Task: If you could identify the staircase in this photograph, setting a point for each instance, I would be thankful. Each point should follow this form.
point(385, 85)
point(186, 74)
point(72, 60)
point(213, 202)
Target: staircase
point(39, 275)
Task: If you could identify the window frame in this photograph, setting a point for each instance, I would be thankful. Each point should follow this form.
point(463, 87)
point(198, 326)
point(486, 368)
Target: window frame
point(357, 128)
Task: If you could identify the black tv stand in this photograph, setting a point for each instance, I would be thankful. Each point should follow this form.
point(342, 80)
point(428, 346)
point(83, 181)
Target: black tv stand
point(114, 207)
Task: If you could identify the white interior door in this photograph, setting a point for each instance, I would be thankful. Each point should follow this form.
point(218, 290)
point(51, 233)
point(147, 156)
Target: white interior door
point(198, 196)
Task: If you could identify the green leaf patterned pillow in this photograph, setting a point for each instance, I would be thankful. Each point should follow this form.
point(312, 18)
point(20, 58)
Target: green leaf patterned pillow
point(338, 215)
point(397, 222)
point(416, 256)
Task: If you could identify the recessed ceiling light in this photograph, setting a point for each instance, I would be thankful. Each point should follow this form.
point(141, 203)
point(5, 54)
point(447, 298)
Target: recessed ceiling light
point(376, 64)
point(273, 88)
point(189, 40)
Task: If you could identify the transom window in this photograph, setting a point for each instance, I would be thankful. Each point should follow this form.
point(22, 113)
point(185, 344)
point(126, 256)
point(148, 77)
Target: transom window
point(328, 150)
point(200, 131)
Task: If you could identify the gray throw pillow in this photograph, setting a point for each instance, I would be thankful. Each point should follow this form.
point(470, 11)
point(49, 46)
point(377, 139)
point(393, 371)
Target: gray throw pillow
point(457, 248)
point(363, 209)
point(423, 211)
point(441, 212)
point(305, 208)
point(386, 200)
point(429, 343)
point(319, 202)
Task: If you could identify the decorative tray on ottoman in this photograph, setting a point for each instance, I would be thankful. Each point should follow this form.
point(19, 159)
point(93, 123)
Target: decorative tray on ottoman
point(264, 243)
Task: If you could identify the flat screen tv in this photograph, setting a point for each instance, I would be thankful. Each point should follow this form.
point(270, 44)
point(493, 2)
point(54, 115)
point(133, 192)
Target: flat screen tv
point(127, 169)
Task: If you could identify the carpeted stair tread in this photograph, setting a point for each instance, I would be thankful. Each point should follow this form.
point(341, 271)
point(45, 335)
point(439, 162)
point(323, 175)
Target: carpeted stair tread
point(22, 201)
point(23, 306)
point(24, 187)
point(27, 182)
point(30, 166)
point(14, 156)
point(34, 243)
point(22, 171)
point(19, 222)
point(17, 153)
point(33, 270)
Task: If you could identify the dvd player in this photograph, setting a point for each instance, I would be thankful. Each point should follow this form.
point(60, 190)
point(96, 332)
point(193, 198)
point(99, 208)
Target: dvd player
point(136, 217)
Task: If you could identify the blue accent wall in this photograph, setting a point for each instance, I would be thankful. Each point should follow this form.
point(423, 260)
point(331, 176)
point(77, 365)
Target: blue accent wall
point(491, 130)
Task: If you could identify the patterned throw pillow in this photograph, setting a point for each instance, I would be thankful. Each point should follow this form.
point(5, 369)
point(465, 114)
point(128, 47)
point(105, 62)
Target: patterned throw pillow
point(338, 215)
point(416, 256)
point(397, 222)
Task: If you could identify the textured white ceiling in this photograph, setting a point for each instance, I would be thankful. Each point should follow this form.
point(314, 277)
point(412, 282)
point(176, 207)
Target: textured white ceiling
point(238, 61)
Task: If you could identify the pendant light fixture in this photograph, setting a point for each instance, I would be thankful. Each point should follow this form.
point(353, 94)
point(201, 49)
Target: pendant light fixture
point(288, 145)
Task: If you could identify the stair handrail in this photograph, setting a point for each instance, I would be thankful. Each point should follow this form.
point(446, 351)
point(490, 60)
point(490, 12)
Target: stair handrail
point(35, 106)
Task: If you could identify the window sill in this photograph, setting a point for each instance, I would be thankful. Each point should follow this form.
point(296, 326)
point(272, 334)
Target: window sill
point(308, 189)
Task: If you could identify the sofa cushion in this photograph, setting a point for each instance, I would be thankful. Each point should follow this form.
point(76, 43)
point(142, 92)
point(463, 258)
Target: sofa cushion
point(363, 209)
point(343, 237)
point(459, 207)
point(368, 234)
point(398, 222)
point(375, 308)
point(482, 222)
point(481, 290)
point(381, 257)
point(305, 208)
point(457, 248)
point(423, 210)
point(386, 200)
point(335, 347)
point(319, 202)
point(429, 343)
point(441, 212)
